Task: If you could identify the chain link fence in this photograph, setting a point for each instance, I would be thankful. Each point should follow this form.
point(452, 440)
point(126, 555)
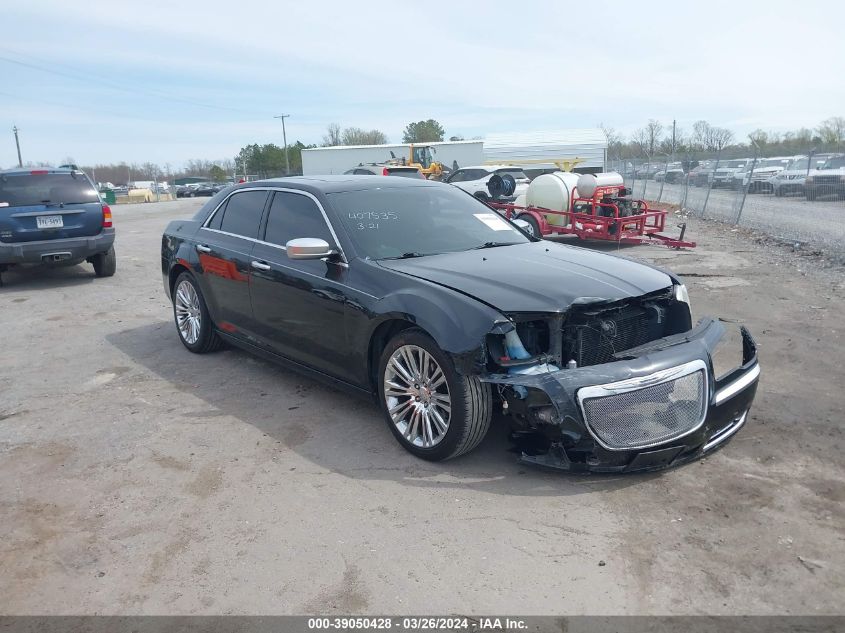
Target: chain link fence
point(796, 198)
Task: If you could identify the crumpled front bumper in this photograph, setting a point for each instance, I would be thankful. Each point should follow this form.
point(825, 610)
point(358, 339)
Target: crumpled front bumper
point(728, 400)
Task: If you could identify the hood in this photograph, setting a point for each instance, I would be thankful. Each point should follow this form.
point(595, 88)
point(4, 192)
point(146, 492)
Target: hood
point(535, 277)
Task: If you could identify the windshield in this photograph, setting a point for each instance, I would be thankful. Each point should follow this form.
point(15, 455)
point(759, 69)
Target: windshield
point(800, 163)
point(771, 162)
point(22, 190)
point(392, 222)
point(835, 163)
point(734, 164)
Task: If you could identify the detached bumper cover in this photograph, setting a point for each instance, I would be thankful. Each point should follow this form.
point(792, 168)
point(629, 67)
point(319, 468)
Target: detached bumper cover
point(669, 383)
point(78, 248)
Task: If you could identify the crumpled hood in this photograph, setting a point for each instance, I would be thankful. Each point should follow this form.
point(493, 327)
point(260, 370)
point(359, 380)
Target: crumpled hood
point(535, 277)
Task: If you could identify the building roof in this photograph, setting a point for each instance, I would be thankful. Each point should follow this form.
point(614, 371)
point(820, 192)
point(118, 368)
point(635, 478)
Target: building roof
point(583, 143)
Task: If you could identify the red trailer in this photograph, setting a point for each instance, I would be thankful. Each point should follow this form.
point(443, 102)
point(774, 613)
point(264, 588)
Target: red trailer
point(607, 215)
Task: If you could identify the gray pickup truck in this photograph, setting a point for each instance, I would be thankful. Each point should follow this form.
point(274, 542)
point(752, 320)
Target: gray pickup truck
point(54, 216)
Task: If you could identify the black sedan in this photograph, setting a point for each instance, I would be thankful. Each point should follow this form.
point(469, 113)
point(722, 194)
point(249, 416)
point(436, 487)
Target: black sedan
point(422, 296)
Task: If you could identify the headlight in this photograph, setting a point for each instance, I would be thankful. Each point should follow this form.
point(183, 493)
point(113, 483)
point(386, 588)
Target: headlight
point(727, 355)
point(681, 294)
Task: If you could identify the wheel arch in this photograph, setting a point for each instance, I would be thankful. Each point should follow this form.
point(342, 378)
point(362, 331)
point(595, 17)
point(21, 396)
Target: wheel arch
point(379, 339)
point(173, 275)
point(458, 327)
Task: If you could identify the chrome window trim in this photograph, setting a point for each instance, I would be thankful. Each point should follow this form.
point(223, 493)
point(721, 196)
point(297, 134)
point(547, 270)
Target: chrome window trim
point(635, 384)
point(300, 192)
point(729, 391)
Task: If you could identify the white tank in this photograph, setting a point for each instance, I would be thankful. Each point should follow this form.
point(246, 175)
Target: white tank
point(587, 183)
point(552, 191)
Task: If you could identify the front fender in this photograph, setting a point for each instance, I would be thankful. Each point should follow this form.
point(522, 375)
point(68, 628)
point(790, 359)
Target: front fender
point(458, 325)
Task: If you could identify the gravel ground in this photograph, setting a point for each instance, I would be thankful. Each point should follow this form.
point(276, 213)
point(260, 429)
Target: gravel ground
point(136, 478)
point(791, 217)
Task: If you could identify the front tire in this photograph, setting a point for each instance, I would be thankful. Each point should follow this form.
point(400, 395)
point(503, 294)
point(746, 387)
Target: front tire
point(433, 411)
point(534, 231)
point(193, 323)
point(105, 264)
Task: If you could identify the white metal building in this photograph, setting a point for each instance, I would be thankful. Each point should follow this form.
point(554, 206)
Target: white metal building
point(336, 160)
point(588, 145)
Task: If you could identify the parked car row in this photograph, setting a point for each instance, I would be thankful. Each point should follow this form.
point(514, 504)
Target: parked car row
point(199, 189)
point(819, 175)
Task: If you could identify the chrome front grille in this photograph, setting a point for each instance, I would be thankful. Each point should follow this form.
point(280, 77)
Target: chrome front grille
point(648, 411)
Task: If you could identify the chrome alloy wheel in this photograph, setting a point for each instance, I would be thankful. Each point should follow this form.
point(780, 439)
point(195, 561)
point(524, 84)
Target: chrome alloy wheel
point(188, 312)
point(417, 396)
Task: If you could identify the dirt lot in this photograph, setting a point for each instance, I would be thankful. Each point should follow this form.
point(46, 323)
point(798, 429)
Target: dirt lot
point(138, 478)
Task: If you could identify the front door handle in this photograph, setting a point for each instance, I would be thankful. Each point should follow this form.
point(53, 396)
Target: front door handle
point(202, 248)
point(260, 265)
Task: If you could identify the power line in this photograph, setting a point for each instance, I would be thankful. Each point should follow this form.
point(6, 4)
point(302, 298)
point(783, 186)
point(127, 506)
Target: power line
point(75, 106)
point(134, 90)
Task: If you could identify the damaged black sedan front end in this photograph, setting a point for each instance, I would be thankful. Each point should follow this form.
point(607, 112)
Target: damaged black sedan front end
point(611, 406)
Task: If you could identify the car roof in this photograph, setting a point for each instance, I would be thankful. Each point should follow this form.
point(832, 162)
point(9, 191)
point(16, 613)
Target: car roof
point(341, 182)
point(19, 171)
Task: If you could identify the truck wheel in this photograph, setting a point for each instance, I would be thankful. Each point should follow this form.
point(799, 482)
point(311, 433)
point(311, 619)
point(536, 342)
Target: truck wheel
point(433, 411)
point(534, 226)
point(105, 263)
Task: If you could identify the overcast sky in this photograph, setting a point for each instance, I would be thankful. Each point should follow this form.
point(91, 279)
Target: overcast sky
point(169, 81)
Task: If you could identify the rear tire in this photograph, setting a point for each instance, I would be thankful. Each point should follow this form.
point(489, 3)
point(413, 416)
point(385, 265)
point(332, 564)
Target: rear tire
point(433, 411)
point(193, 323)
point(105, 264)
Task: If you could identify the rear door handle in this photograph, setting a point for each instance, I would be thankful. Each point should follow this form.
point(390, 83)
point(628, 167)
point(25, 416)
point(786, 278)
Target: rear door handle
point(260, 265)
point(202, 248)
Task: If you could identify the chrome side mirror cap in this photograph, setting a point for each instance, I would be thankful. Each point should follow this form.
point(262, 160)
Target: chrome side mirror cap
point(309, 248)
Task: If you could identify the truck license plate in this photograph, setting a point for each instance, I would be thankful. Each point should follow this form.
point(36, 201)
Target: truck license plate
point(49, 221)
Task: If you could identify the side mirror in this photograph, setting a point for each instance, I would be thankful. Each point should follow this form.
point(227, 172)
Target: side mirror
point(522, 224)
point(308, 248)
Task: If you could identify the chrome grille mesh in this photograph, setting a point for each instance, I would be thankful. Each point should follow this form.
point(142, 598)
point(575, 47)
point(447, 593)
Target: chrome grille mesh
point(648, 416)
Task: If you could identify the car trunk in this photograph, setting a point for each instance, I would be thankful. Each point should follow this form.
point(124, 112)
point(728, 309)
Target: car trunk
point(48, 205)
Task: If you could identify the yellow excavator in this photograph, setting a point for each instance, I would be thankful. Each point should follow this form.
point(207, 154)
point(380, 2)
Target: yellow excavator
point(421, 157)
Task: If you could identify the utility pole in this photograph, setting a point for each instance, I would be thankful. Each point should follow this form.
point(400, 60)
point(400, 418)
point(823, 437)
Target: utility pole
point(673, 139)
point(285, 139)
point(17, 144)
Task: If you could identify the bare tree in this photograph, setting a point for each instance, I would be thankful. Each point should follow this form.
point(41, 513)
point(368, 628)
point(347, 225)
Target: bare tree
point(332, 135)
point(701, 134)
point(759, 138)
point(197, 167)
point(358, 136)
point(639, 140)
point(832, 131)
point(614, 141)
point(654, 132)
point(720, 138)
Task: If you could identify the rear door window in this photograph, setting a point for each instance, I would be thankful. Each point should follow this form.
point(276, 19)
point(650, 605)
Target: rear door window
point(293, 215)
point(26, 190)
point(242, 215)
